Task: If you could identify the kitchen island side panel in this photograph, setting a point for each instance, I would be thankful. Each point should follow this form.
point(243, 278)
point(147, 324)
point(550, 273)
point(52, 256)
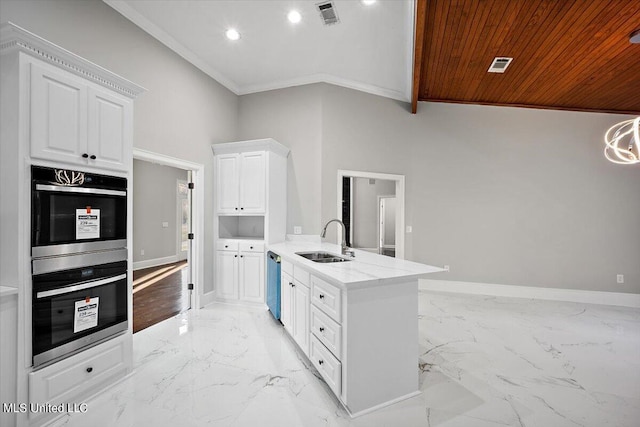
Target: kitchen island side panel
point(381, 343)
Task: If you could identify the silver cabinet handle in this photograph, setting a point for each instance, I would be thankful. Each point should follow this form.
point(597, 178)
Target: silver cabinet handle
point(63, 189)
point(79, 286)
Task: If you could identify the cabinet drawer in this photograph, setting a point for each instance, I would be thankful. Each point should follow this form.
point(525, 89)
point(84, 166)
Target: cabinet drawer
point(80, 375)
point(251, 246)
point(329, 367)
point(326, 297)
point(287, 267)
point(302, 276)
point(327, 331)
point(227, 245)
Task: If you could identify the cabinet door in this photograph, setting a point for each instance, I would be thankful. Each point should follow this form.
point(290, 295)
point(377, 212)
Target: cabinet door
point(58, 122)
point(252, 276)
point(227, 176)
point(301, 316)
point(286, 301)
point(253, 182)
point(110, 130)
point(227, 274)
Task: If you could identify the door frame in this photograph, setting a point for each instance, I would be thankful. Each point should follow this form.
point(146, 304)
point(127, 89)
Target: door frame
point(399, 179)
point(380, 231)
point(197, 213)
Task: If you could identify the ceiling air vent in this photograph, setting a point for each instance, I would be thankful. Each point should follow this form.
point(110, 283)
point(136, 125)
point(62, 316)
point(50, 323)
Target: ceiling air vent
point(499, 64)
point(328, 13)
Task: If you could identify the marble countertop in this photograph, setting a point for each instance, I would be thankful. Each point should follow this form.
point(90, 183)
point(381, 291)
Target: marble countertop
point(366, 269)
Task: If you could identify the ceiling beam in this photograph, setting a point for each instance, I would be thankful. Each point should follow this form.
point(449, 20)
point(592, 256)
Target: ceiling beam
point(421, 18)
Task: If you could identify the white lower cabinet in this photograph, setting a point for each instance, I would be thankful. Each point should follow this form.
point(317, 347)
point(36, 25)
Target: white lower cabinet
point(327, 364)
point(76, 378)
point(295, 299)
point(240, 271)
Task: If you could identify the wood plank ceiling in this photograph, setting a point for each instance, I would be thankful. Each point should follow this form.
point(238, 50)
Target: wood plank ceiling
point(567, 54)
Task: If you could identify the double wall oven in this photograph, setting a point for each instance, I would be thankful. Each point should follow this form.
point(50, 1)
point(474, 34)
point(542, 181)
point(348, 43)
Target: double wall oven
point(79, 261)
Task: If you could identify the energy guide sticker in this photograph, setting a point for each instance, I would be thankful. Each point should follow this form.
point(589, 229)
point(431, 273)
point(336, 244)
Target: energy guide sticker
point(87, 223)
point(85, 314)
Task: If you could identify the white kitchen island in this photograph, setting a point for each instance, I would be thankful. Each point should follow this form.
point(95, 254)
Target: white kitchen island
point(357, 321)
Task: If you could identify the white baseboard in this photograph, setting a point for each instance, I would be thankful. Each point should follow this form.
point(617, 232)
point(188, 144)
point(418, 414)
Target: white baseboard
point(207, 298)
point(155, 262)
point(555, 294)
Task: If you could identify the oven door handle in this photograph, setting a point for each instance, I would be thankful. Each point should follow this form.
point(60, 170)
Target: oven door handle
point(45, 187)
point(79, 286)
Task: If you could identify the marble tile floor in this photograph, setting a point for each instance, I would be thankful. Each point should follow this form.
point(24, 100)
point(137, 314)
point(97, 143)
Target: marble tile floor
point(484, 362)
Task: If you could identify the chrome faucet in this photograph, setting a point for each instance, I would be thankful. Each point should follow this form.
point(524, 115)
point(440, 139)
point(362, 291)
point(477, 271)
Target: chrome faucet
point(345, 250)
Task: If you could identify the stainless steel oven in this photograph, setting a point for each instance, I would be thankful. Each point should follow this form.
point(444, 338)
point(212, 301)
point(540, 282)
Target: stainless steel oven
point(75, 308)
point(74, 211)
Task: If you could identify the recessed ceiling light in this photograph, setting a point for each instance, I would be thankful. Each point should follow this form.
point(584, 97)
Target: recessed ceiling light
point(368, 2)
point(232, 34)
point(635, 37)
point(294, 16)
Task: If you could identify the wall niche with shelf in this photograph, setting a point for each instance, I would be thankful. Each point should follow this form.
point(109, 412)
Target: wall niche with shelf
point(241, 227)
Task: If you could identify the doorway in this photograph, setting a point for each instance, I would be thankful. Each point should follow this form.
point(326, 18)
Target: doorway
point(371, 205)
point(169, 270)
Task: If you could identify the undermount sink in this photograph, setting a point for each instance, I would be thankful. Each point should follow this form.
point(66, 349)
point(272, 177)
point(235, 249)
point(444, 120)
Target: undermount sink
point(323, 257)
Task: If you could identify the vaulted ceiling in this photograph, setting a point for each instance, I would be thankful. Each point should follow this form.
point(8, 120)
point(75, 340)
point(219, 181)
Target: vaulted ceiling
point(567, 54)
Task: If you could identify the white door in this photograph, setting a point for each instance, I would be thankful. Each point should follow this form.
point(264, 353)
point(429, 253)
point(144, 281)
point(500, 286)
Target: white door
point(252, 276)
point(252, 182)
point(58, 127)
point(109, 129)
point(301, 316)
point(227, 165)
point(227, 274)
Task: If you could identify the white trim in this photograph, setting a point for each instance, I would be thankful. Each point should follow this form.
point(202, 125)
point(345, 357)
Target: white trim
point(197, 213)
point(208, 298)
point(325, 78)
point(411, 41)
point(155, 262)
point(400, 186)
point(264, 144)
point(134, 16)
point(382, 405)
point(15, 37)
point(553, 294)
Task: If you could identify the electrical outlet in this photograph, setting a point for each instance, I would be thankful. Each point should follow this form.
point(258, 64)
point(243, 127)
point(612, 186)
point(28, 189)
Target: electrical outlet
point(446, 268)
point(165, 225)
point(620, 278)
point(297, 229)
point(409, 229)
point(142, 252)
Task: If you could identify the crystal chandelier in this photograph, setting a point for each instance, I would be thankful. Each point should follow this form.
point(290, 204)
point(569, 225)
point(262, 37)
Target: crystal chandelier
point(623, 142)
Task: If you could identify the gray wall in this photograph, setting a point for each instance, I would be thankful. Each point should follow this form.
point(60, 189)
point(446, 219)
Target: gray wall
point(292, 117)
point(154, 202)
point(502, 195)
point(365, 209)
point(183, 111)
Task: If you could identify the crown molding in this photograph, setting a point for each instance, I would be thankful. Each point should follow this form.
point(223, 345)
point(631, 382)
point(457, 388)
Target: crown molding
point(14, 38)
point(163, 37)
point(267, 144)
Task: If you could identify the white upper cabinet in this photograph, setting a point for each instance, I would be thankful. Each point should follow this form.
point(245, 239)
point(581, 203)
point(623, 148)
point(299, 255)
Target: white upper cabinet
point(227, 177)
point(110, 129)
point(76, 122)
point(241, 183)
point(58, 114)
point(252, 182)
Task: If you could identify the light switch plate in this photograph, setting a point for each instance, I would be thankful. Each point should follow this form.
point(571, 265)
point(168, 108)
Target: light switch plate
point(409, 229)
point(165, 225)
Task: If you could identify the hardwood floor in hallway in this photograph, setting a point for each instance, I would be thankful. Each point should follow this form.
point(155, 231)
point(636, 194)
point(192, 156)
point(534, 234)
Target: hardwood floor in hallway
point(158, 294)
